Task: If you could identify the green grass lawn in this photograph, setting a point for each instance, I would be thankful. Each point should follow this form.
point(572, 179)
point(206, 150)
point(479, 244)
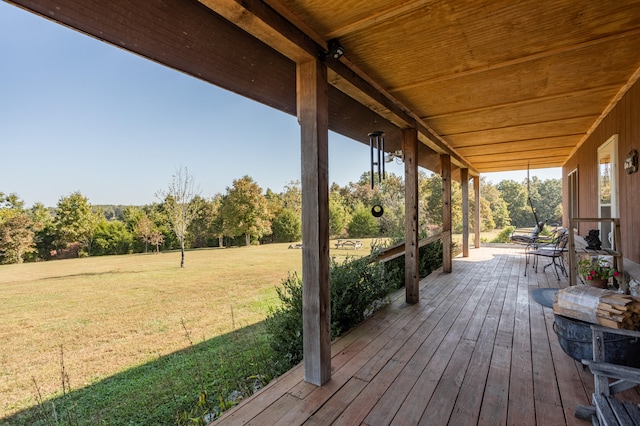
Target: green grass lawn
point(122, 324)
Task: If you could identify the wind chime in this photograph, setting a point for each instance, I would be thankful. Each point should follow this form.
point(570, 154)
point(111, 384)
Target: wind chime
point(376, 144)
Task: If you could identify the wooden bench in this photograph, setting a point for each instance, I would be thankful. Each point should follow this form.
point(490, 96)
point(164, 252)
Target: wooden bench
point(349, 244)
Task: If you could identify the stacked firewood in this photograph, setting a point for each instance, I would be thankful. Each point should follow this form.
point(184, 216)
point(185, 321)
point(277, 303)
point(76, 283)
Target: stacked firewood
point(598, 306)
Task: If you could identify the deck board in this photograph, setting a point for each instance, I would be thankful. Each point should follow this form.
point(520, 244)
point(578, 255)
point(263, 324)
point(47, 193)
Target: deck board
point(476, 350)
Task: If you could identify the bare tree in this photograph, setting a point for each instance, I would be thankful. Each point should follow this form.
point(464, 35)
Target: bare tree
point(179, 204)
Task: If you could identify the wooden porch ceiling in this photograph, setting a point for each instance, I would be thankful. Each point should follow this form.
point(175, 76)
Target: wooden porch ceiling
point(504, 83)
point(499, 85)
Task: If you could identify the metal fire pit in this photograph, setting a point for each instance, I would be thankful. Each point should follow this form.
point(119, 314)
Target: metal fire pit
point(575, 339)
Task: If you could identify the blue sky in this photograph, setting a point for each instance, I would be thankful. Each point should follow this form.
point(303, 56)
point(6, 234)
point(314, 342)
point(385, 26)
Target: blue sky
point(77, 114)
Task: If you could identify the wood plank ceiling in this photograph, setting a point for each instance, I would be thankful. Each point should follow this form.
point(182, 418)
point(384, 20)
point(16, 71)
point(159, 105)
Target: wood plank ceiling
point(506, 84)
point(497, 84)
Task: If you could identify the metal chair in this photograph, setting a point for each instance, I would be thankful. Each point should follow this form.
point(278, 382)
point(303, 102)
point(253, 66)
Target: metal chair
point(554, 250)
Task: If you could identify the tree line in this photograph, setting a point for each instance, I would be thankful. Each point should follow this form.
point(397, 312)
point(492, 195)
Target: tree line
point(245, 214)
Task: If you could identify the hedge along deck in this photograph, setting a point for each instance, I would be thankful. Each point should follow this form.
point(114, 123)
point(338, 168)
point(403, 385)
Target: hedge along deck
point(476, 349)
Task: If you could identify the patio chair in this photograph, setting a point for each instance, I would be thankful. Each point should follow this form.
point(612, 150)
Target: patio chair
point(554, 251)
point(520, 237)
point(606, 408)
point(530, 240)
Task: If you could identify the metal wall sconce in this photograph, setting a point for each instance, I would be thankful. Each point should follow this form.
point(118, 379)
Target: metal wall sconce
point(335, 49)
point(396, 155)
point(631, 162)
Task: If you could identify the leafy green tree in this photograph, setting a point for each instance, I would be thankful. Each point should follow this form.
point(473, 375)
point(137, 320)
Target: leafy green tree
point(131, 215)
point(16, 233)
point(16, 237)
point(75, 221)
point(363, 224)
point(391, 198)
point(486, 216)
point(514, 194)
point(180, 205)
point(200, 234)
point(244, 210)
point(287, 226)
point(10, 202)
point(498, 207)
point(217, 224)
point(292, 196)
point(44, 230)
point(546, 197)
point(112, 237)
point(338, 216)
point(159, 217)
point(144, 229)
point(289, 199)
point(431, 195)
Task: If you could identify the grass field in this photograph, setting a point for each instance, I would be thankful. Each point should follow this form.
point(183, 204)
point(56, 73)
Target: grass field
point(120, 313)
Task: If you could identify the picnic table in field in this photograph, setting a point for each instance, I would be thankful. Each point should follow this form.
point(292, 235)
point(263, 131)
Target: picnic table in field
point(355, 244)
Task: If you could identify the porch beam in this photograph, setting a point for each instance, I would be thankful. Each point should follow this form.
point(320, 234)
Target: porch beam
point(445, 163)
point(264, 23)
point(185, 36)
point(313, 117)
point(464, 181)
point(476, 193)
point(276, 26)
point(412, 249)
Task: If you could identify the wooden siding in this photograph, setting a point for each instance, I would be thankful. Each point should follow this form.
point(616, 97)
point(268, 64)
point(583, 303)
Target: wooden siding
point(476, 350)
point(623, 120)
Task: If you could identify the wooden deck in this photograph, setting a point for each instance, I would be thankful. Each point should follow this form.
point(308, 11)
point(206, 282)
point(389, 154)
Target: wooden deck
point(477, 349)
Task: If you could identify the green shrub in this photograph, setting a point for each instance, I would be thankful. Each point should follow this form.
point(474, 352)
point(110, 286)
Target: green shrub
point(358, 288)
point(504, 235)
point(362, 224)
point(430, 260)
point(284, 323)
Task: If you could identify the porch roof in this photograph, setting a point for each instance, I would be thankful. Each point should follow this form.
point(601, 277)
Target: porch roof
point(498, 85)
point(477, 349)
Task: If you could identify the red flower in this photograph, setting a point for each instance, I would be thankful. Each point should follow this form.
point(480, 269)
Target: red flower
point(590, 277)
point(592, 272)
point(616, 274)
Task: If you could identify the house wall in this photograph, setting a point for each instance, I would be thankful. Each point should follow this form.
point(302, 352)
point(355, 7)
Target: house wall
point(623, 120)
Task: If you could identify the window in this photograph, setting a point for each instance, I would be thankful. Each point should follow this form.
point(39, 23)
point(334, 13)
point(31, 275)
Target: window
point(607, 187)
point(572, 179)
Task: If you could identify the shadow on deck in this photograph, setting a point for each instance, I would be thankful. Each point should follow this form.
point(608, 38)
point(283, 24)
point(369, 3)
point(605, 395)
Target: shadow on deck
point(477, 349)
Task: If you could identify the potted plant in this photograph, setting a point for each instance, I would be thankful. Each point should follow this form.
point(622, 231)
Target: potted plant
point(596, 271)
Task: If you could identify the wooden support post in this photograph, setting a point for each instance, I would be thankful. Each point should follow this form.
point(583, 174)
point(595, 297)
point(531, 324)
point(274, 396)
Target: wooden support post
point(476, 190)
point(412, 249)
point(445, 161)
point(464, 180)
point(316, 303)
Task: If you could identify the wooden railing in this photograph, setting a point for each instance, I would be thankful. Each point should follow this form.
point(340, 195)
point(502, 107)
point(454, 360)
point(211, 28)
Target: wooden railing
point(398, 250)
